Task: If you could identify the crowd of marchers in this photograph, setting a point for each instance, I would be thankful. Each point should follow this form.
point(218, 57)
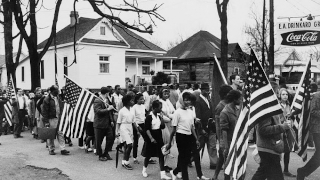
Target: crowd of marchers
point(172, 115)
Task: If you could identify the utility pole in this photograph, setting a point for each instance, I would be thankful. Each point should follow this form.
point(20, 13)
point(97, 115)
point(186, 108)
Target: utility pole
point(263, 32)
point(271, 49)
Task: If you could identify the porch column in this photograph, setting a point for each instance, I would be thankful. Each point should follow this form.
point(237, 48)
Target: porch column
point(155, 65)
point(170, 66)
point(137, 67)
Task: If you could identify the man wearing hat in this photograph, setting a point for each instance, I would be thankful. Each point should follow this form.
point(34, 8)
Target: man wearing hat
point(206, 135)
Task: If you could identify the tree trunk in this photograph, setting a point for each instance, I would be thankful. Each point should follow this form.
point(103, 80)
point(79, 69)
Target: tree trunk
point(7, 29)
point(35, 69)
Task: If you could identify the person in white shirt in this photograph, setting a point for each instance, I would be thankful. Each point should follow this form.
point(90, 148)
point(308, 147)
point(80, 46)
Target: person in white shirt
point(183, 128)
point(139, 112)
point(116, 100)
point(124, 128)
point(146, 99)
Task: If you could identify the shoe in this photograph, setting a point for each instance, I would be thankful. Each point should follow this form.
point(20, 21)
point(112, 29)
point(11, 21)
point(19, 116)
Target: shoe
point(151, 161)
point(135, 161)
point(43, 141)
point(174, 177)
point(213, 167)
point(167, 168)
point(203, 178)
point(47, 146)
point(52, 153)
point(19, 136)
point(300, 176)
point(127, 166)
point(287, 173)
point(103, 158)
point(89, 149)
point(15, 136)
point(65, 152)
point(144, 172)
point(164, 176)
point(190, 165)
point(179, 175)
point(70, 144)
point(108, 157)
point(81, 147)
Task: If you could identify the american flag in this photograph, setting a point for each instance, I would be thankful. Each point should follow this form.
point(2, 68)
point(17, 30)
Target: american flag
point(259, 103)
point(301, 103)
point(11, 93)
point(76, 108)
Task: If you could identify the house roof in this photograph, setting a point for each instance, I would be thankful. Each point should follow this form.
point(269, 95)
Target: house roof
point(287, 56)
point(232, 47)
point(66, 34)
point(201, 45)
point(3, 58)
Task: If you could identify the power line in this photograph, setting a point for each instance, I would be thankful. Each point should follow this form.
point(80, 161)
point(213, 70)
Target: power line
point(302, 5)
point(315, 2)
point(296, 7)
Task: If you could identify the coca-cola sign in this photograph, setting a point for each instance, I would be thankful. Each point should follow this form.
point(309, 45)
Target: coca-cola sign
point(300, 38)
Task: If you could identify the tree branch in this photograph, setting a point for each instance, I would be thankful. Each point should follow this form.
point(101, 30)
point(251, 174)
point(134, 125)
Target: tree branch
point(53, 29)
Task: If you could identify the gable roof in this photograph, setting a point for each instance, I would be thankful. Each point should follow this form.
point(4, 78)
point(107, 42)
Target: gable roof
point(66, 34)
point(201, 45)
point(287, 56)
point(3, 58)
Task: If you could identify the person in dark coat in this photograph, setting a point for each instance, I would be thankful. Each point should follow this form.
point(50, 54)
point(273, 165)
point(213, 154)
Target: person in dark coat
point(19, 111)
point(103, 123)
point(204, 112)
point(51, 110)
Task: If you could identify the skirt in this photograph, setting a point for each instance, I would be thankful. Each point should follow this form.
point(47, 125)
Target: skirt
point(126, 133)
point(153, 149)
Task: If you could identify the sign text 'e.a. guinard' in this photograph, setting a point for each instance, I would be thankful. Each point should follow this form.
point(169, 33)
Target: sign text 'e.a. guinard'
point(301, 33)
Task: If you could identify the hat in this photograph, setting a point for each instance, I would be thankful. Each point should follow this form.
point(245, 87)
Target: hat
point(204, 86)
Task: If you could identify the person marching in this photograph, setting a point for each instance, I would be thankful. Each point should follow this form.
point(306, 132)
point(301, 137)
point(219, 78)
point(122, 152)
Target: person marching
point(153, 141)
point(183, 128)
point(124, 129)
point(139, 112)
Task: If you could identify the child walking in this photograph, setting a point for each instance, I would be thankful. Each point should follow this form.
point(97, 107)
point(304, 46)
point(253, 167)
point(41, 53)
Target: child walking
point(154, 141)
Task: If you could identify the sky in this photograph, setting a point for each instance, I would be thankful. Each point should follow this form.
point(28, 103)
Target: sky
point(183, 17)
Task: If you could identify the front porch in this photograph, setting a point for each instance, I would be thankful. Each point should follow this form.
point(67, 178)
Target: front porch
point(140, 67)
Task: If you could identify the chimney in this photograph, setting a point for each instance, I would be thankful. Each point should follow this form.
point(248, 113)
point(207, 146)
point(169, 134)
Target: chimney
point(74, 18)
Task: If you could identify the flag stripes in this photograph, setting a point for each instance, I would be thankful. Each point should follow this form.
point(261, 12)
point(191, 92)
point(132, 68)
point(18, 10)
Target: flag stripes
point(260, 103)
point(11, 93)
point(301, 102)
point(76, 109)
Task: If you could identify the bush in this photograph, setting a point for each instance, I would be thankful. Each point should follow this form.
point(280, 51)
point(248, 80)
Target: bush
point(160, 78)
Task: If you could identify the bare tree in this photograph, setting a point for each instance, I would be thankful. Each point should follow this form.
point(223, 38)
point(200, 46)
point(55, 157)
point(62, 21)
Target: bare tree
point(175, 42)
point(6, 10)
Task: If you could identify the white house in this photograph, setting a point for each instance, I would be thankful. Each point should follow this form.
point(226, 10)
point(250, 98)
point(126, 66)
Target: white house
point(106, 55)
point(290, 65)
point(3, 68)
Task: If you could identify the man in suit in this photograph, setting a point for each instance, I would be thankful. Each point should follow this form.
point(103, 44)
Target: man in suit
point(19, 112)
point(103, 123)
point(3, 101)
point(206, 135)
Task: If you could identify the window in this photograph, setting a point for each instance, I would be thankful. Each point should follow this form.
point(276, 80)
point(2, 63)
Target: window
point(22, 73)
point(145, 67)
point(104, 64)
point(193, 76)
point(65, 67)
point(102, 30)
point(236, 70)
point(42, 69)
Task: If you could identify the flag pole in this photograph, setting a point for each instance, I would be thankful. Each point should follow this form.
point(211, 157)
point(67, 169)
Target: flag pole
point(220, 70)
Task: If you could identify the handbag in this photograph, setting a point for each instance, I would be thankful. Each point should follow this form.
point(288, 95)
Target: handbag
point(47, 133)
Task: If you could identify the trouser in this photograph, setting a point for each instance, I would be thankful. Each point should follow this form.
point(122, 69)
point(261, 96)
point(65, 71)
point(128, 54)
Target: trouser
point(54, 124)
point(100, 133)
point(314, 162)
point(18, 126)
point(136, 141)
point(115, 117)
point(184, 144)
point(270, 167)
point(196, 158)
point(211, 141)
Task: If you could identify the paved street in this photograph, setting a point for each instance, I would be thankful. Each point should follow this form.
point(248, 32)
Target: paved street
point(27, 158)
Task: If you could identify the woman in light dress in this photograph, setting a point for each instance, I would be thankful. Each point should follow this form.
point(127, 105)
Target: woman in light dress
point(167, 113)
point(124, 129)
